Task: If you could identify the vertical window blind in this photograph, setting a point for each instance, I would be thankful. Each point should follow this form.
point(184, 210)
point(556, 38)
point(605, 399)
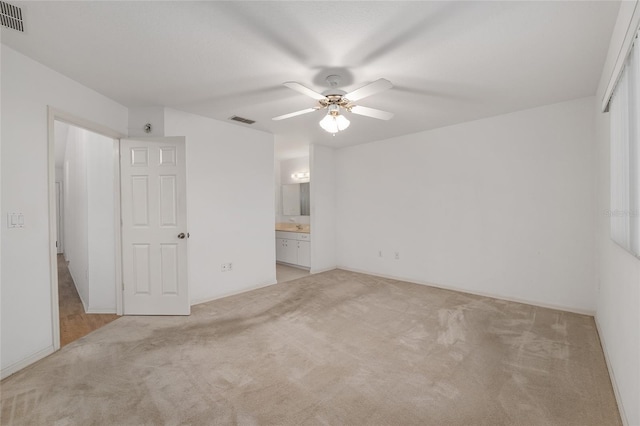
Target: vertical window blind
point(625, 155)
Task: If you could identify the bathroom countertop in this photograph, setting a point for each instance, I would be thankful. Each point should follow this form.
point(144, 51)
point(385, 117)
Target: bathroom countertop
point(303, 228)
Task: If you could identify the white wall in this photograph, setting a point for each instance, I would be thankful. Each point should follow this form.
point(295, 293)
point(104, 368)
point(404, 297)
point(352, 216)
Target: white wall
point(230, 203)
point(323, 209)
point(89, 222)
point(27, 88)
point(76, 199)
point(139, 117)
point(277, 201)
point(618, 272)
point(101, 223)
point(285, 169)
point(500, 206)
point(60, 131)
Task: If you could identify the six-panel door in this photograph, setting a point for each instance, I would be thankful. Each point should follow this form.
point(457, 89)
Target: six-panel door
point(154, 227)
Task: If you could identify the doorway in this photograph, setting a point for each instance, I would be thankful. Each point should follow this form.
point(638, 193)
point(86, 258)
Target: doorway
point(293, 230)
point(85, 217)
point(98, 219)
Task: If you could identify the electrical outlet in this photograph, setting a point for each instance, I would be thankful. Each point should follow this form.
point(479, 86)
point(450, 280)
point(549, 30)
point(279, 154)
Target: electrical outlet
point(224, 267)
point(230, 266)
point(397, 255)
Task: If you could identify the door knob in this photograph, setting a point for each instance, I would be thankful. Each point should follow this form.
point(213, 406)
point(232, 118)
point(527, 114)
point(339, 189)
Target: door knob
point(181, 235)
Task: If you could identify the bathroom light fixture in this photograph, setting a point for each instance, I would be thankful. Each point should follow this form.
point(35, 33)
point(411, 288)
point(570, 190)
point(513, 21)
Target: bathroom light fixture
point(333, 122)
point(300, 175)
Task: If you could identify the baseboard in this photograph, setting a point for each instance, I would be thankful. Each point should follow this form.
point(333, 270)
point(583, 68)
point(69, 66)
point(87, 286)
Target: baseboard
point(319, 271)
point(84, 305)
point(612, 376)
point(73, 279)
point(293, 265)
point(477, 293)
point(100, 310)
point(222, 296)
point(14, 368)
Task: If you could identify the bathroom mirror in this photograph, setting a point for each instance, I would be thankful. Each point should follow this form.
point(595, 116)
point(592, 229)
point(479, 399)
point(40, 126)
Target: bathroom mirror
point(295, 199)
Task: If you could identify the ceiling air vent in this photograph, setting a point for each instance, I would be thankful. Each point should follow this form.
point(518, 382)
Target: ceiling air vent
point(11, 16)
point(242, 120)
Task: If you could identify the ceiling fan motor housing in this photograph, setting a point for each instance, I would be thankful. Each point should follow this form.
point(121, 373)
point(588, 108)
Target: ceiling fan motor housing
point(334, 99)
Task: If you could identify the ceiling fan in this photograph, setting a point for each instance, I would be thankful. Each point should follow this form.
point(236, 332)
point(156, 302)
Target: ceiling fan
point(335, 100)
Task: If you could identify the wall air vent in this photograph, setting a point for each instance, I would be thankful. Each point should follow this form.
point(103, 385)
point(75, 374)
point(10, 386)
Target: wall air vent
point(11, 16)
point(242, 120)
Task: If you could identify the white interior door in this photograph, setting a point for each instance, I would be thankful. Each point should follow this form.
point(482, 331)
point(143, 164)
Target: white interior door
point(154, 226)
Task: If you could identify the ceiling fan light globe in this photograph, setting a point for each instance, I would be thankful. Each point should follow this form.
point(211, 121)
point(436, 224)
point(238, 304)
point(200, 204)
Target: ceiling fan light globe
point(342, 122)
point(329, 124)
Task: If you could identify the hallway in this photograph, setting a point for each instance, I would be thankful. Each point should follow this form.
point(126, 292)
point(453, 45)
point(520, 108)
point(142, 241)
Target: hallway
point(74, 322)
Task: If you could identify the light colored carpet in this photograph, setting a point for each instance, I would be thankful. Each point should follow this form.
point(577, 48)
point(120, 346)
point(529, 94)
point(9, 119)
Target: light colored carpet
point(332, 348)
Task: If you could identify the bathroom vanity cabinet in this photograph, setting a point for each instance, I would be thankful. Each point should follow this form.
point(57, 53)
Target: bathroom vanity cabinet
point(293, 248)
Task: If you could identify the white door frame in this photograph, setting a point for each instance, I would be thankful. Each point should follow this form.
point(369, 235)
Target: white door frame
point(59, 218)
point(54, 114)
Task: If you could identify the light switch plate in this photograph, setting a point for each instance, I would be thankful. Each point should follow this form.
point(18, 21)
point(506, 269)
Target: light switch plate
point(15, 220)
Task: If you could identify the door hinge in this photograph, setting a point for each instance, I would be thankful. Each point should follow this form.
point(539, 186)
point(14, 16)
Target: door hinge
point(123, 286)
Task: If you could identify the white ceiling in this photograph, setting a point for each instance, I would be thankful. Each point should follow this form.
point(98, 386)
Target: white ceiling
point(450, 62)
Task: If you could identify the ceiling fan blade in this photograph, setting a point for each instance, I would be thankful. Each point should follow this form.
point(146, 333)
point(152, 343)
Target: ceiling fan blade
point(293, 114)
point(304, 90)
point(369, 89)
point(372, 112)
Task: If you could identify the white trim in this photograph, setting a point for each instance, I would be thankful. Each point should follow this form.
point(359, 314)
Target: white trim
point(612, 376)
point(59, 200)
point(293, 265)
point(235, 293)
point(85, 306)
point(53, 250)
point(14, 368)
point(91, 310)
point(478, 293)
point(118, 227)
point(623, 53)
point(54, 114)
point(319, 271)
point(65, 117)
